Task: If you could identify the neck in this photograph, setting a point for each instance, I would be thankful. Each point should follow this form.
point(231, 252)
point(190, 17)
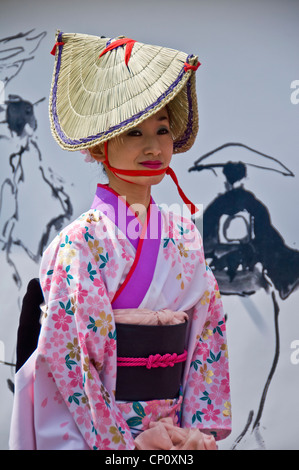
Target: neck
point(137, 196)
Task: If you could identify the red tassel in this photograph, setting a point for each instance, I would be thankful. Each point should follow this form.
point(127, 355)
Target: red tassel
point(53, 51)
point(191, 67)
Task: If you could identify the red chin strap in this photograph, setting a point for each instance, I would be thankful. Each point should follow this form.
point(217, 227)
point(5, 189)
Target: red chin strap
point(168, 171)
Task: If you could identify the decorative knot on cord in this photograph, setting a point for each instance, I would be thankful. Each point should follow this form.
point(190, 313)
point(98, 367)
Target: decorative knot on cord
point(59, 43)
point(168, 360)
point(129, 43)
point(191, 67)
point(152, 361)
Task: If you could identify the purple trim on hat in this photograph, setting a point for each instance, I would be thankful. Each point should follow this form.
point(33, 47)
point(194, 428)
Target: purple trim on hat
point(74, 142)
point(54, 91)
point(189, 128)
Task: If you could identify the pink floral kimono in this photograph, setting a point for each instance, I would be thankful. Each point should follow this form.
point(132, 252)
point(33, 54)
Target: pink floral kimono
point(106, 260)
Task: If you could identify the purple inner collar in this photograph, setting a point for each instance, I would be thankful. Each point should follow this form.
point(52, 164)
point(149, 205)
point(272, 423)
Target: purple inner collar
point(133, 290)
point(121, 214)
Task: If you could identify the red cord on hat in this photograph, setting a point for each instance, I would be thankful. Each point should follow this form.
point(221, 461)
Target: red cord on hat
point(130, 172)
point(53, 51)
point(192, 207)
point(191, 67)
point(121, 42)
point(169, 171)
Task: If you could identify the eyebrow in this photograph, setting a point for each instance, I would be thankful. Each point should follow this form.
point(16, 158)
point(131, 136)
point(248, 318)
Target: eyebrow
point(163, 118)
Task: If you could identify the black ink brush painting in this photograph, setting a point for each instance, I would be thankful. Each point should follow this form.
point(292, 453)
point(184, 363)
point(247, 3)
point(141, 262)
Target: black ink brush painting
point(245, 251)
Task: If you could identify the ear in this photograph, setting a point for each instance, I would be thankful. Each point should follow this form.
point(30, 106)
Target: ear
point(98, 152)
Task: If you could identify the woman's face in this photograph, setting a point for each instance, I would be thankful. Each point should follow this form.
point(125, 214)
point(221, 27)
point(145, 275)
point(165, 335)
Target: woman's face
point(148, 146)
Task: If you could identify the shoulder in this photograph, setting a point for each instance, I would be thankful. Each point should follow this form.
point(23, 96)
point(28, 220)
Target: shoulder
point(75, 247)
point(89, 226)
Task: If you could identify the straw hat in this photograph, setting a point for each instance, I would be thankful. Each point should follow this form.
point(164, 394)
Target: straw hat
point(102, 87)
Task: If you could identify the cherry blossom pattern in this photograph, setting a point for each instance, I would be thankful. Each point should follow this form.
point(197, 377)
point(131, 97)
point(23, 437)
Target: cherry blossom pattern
point(80, 274)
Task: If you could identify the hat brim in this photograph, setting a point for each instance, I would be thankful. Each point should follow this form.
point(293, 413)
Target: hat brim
point(95, 99)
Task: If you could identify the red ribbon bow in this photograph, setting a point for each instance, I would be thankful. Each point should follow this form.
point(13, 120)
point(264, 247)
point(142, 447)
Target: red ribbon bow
point(121, 42)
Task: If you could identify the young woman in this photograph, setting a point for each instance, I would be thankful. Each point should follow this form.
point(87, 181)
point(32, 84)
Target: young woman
point(132, 351)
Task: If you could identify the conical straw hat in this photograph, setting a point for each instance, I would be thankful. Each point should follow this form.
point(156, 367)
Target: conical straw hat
point(100, 91)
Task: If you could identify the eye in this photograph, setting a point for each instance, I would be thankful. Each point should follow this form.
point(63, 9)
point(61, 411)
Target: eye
point(163, 130)
point(134, 133)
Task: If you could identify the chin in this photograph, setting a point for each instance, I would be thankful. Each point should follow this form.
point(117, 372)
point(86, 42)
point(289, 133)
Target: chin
point(149, 180)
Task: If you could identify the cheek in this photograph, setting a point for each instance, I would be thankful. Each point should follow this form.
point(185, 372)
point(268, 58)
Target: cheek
point(118, 155)
point(169, 150)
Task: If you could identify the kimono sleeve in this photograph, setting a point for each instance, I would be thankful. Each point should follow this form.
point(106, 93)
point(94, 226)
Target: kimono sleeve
point(78, 341)
point(22, 432)
point(206, 403)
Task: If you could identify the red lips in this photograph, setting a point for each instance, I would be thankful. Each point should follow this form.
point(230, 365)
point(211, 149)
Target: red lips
point(152, 164)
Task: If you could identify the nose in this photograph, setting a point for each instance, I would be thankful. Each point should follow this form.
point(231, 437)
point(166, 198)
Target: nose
point(152, 147)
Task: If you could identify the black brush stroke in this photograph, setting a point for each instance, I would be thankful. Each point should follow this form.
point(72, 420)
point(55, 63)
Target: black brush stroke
point(274, 363)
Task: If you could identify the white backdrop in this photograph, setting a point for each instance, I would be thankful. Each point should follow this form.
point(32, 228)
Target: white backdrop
point(249, 56)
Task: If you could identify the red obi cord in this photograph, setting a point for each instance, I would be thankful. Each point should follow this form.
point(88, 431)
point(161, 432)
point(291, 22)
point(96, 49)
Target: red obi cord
point(152, 361)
